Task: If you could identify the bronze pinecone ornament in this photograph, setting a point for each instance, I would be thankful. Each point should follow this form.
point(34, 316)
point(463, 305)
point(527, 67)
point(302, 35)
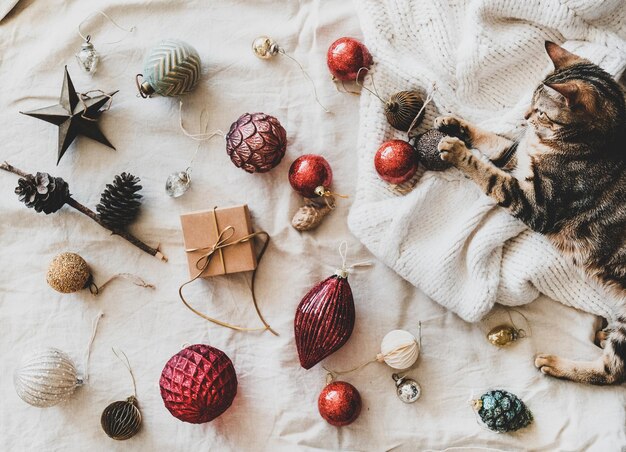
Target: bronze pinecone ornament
point(119, 203)
point(43, 192)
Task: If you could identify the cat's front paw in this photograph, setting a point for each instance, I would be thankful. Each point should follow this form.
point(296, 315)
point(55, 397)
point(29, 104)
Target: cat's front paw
point(453, 150)
point(549, 365)
point(453, 126)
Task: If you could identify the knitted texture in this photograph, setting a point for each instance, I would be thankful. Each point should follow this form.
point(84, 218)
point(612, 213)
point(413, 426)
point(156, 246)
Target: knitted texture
point(485, 57)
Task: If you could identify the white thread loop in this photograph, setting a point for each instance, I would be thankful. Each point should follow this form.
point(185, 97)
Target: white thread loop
point(87, 38)
point(196, 136)
point(94, 331)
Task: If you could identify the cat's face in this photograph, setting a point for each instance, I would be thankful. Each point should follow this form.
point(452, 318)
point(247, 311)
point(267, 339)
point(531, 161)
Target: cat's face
point(577, 98)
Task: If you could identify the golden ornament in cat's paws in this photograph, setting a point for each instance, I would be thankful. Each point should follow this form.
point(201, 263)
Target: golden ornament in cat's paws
point(549, 365)
point(452, 149)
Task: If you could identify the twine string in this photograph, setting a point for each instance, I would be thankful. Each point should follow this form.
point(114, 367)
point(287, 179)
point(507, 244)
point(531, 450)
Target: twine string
point(82, 97)
point(136, 280)
point(223, 241)
point(126, 364)
point(308, 77)
point(429, 99)
point(87, 38)
point(195, 136)
point(94, 331)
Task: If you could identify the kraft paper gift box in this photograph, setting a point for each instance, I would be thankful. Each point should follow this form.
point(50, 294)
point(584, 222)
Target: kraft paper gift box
point(201, 231)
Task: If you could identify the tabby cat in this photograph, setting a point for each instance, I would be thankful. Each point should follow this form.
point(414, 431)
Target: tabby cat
point(565, 177)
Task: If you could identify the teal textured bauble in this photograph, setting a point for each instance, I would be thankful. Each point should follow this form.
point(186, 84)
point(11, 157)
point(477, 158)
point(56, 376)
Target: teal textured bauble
point(172, 68)
point(502, 411)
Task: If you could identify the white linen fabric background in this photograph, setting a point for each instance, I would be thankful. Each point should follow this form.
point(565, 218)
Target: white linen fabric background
point(276, 405)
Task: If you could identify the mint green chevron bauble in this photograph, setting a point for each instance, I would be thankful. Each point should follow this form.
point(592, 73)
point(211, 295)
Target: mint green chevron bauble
point(171, 69)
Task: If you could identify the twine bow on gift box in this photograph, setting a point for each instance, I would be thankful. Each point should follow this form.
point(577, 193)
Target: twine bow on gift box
point(204, 260)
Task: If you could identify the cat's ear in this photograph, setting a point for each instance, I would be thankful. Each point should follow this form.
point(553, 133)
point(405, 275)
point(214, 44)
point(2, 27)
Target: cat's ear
point(559, 56)
point(569, 90)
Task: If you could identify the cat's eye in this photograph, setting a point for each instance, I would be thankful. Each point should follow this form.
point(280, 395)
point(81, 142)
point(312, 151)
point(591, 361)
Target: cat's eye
point(543, 116)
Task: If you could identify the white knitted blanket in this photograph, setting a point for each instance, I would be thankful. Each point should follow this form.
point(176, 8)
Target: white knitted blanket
point(486, 57)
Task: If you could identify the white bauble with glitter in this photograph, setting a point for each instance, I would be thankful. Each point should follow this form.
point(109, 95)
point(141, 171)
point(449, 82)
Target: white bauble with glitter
point(46, 377)
point(399, 349)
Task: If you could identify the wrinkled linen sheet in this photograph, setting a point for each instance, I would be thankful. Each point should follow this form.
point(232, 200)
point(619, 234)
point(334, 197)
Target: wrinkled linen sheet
point(276, 405)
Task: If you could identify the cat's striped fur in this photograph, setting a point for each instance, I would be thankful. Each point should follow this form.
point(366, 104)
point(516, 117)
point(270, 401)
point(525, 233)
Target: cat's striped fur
point(565, 178)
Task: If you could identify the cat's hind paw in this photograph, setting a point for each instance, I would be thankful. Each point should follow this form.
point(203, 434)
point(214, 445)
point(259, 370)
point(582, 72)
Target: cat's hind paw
point(453, 150)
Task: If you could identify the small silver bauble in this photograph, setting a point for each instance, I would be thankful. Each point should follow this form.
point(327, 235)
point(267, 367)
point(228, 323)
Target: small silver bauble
point(408, 390)
point(265, 47)
point(178, 183)
point(87, 57)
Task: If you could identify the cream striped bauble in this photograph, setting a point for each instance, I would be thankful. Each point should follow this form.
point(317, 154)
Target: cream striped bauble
point(399, 349)
point(46, 377)
point(172, 68)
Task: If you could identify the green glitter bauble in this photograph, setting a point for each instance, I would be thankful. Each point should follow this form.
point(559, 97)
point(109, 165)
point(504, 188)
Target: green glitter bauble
point(502, 411)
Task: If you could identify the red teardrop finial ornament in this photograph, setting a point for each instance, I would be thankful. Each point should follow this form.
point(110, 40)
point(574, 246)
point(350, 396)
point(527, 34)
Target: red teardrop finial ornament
point(324, 319)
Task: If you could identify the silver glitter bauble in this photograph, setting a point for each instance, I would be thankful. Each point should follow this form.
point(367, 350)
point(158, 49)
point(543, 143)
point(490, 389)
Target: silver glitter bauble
point(178, 183)
point(408, 390)
point(265, 47)
point(87, 57)
point(46, 377)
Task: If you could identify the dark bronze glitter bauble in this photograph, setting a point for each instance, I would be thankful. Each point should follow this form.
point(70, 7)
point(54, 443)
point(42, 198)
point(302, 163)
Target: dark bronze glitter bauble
point(426, 147)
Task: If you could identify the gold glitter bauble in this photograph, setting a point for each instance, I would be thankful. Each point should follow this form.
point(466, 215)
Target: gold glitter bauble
point(68, 272)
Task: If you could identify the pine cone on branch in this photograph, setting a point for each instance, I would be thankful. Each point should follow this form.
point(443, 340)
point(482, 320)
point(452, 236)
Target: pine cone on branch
point(43, 192)
point(119, 203)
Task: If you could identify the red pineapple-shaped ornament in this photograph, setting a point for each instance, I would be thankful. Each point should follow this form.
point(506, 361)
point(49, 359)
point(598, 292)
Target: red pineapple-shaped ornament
point(256, 142)
point(324, 318)
point(198, 384)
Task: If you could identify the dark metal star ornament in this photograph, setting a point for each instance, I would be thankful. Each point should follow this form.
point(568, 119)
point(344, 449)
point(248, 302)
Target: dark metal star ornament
point(75, 114)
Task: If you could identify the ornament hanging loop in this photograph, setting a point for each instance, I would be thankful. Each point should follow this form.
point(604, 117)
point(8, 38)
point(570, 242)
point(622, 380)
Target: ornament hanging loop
point(429, 99)
point(373, 92)
point(102, 13)
point(126, 364)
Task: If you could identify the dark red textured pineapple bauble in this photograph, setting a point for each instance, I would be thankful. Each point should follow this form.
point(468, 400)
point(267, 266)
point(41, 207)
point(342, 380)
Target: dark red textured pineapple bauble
point(396, 161)
point(324, 319)
point(345, 57)
point(339, 403)
point(308, 172)
point(256, 142)
point(198, 384)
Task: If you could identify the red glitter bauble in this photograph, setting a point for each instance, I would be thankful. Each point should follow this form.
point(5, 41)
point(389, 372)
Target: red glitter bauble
point(339, 403)
point(198, 384)
point(324, 319)
point(256, 142)
point(308, 172)
point(345, 57)
point(396, 161)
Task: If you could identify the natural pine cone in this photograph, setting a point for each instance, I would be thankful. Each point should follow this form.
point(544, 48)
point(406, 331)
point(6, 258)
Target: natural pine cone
point(311, 214)
point(120, 202)
point(43, 192)
point(256, 142)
